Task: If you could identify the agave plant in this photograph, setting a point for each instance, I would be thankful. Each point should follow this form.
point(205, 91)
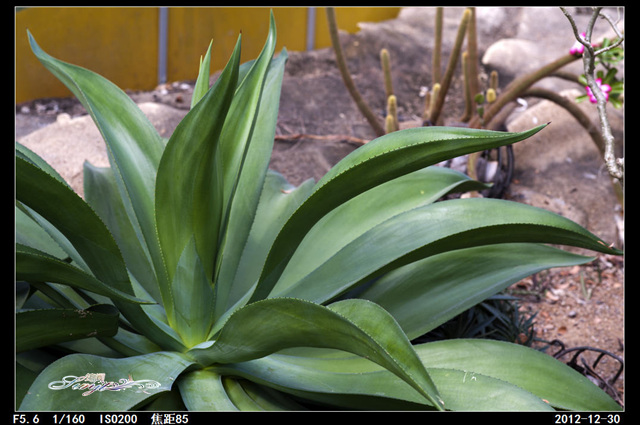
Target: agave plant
point(190, 268)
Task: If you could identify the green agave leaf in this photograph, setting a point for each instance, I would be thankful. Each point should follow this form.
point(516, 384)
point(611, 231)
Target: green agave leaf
point(423, 295)
point(354, 218)
point(356, 326)
point(30, 233)
point(73, 217)
point(250, 397)
point(28, 155)
point(376, 322)
point(379, 161)
point(34, 265)
point(237, 394)
point(88, 346)
point(72, 383)
point(202, 82)
point(59, 246)
point(24, 377)
point(193, 298)
point(133, 145)
point(124, 342)
point(189, 191)
point(238, 143)
point(432, 229)
point(202, 390)
point(352, 382)
point(63, 325)
point(277, 201)
point(53, 295)
point(261, 398)
point(470, 391)
point(101, 192)
point(549, 379)
point(129, 343)
point(168, 401)
point(23, 292)
point(249, 134)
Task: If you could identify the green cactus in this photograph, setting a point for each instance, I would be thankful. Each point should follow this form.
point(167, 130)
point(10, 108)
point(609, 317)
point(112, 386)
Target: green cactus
point(429, 104)
point(451, 65)
point(389, 124)
point(437, 48)
point(391, 121)
point(493, 80)
point(472, 49)
point(386, 71)
point(468, 104)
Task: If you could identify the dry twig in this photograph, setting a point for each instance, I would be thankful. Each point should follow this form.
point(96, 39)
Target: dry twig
point(614, 165)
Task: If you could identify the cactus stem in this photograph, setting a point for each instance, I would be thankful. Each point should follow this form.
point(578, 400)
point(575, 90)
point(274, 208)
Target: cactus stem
point(453, 60)
point(386, 72)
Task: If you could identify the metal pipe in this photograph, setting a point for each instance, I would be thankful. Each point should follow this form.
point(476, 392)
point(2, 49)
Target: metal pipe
point(311, 28)
point(163, 25)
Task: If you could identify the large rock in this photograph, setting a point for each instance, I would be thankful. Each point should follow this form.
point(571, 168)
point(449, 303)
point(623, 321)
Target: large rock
point(540, 35)
point(68, 142)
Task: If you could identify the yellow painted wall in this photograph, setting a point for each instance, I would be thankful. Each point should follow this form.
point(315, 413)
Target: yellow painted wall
point(192, 29)
point(348, 18)
point(118, 43)
point(122, 43)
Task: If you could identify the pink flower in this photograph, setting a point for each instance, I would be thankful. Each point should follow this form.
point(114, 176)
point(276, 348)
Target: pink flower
point(577, 48)
point(606, 88)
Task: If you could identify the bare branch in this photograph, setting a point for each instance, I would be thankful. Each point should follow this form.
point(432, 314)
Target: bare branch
point(615, 167)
